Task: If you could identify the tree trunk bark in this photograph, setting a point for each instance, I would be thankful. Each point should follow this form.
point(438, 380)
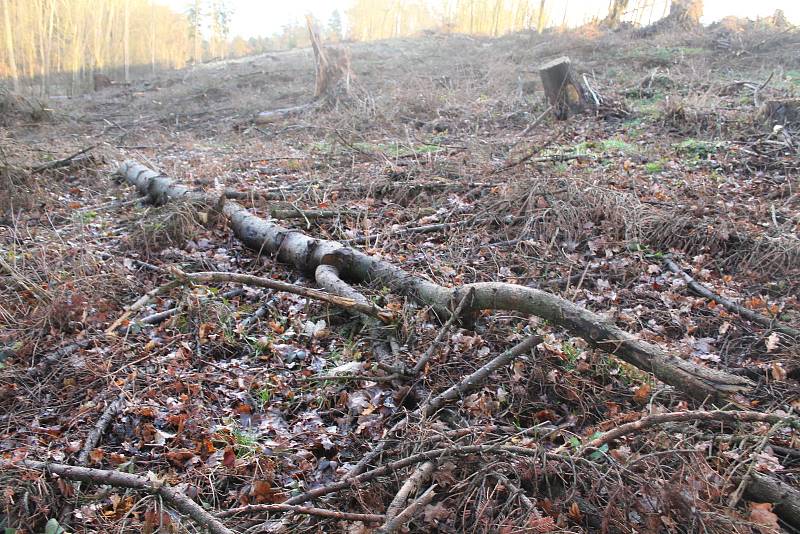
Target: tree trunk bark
point(763, 488)
point(306, 253)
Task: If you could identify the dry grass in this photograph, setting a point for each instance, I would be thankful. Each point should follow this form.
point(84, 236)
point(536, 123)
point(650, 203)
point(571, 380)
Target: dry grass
point(172, 225)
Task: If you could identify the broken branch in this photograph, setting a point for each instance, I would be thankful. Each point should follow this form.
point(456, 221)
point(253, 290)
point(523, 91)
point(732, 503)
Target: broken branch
point(703, 291)
point(173, 497)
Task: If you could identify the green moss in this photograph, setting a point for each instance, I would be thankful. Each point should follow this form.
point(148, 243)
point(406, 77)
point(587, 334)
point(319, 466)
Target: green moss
point(697, 149)
point(606, 145)
point(653, 167)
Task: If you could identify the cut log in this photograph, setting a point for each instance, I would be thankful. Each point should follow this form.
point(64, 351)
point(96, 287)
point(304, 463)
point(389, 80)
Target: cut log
point(564, 91)
point(306, 253)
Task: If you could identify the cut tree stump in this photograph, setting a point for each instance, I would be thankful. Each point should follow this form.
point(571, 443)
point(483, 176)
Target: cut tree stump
point(564, 91)
point(683, 15)
point(332, 67)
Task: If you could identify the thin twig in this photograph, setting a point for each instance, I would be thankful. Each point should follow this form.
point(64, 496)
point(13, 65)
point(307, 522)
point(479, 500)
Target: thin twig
point(443, 332)
point(306, 510)
point(682, 417)
point(703, 291)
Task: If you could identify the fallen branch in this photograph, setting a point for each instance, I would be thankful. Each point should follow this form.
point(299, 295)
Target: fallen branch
point(297, 213)
point(763, 488)
point(246, 279)
point(25, 283)
point(171, 496)
point(406, 515)
point(433, 454)
point(468, 383)
point(343, 302)
point(100, 428)
point(420, 475)
point(305, 510)
point(479, 376)
point(424, 229)
point(703, 291)
point(306, 253)
point(143, 301)
point(682, 417)
point(90, 444)
point(534, 124)
point(61, 162)
point(161, 316)
point(328, 277)
point(266, 117)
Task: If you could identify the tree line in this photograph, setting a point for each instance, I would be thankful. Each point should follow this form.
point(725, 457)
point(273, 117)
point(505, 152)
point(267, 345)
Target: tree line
point(46, 38)
point(63, 43)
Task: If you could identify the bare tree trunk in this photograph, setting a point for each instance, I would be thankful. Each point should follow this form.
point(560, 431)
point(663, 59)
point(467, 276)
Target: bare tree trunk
point(615, 13)
point(126, 44)
point(48, 57)
point(12, 63)
point(683, 14)
point(540, 24)
point(196, 36)
point(153, 37)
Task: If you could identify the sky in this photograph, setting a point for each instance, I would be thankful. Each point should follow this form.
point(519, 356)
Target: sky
point(253, 18)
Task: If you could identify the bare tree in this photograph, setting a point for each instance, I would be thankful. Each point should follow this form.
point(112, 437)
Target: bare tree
point(540, 24)
point(126, 41)
point(615, 12)
point(12, 62)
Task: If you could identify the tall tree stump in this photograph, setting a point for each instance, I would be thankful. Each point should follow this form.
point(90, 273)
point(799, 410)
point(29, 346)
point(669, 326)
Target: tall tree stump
point(332, 67)
point(564, 91)
point(683, 15)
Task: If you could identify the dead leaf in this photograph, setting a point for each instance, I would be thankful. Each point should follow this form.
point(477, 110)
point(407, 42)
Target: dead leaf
point(772, 341)
point(434, 513)
point(762, 515)
point(778, 372)
point(642, 394)
point(204, 330)
point(575, 512)
point(96, 456)
point(179, 456)
point(229, 457)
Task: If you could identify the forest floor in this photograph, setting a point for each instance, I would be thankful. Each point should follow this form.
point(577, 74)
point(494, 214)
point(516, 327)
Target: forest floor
point(236, 408)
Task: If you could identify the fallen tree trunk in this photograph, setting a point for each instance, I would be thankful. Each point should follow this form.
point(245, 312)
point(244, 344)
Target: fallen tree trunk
point(306, 253)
